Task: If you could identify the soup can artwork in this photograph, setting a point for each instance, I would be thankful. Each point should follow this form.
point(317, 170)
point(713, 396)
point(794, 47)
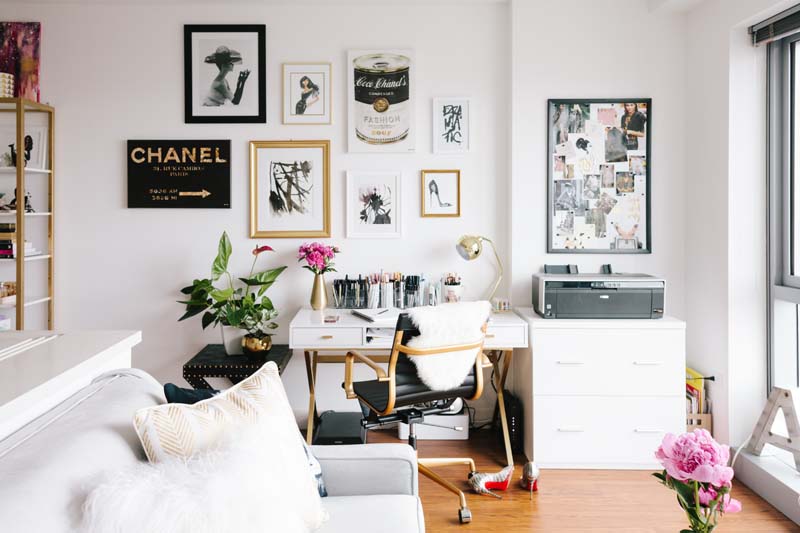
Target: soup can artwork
point(382, 112)
point(6, 85)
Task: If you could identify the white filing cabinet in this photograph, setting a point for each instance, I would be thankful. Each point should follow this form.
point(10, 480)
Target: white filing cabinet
point(600, 393)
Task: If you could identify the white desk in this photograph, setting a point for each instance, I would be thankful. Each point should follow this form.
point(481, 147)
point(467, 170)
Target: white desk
point(309, 332)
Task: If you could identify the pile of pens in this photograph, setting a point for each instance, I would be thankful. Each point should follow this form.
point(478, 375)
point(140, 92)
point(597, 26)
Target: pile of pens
point(385, 290)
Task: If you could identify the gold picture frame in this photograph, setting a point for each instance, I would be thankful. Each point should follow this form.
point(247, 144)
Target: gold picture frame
point(318, 222)
point(431, 188)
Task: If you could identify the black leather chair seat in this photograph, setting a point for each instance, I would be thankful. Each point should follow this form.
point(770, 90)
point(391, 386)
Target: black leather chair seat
point(409, 391)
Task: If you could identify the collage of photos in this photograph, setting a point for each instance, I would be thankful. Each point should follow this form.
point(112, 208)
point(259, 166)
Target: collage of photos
point(598, 176)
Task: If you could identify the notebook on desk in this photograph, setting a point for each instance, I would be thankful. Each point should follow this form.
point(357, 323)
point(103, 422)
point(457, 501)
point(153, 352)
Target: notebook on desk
point(385, 316)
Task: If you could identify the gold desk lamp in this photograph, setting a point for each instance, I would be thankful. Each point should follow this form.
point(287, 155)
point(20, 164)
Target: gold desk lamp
point(470, 247)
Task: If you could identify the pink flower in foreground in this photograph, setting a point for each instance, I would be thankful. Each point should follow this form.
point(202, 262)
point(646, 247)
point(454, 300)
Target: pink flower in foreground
point(315, 259)
point(695, 456)
point(265, 248)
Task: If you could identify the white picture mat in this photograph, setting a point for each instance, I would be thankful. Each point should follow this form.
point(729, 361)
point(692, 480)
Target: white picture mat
point(354, 144)
point(448, 189)
point(320, 74)
point(356, 229)
point(39, 134)
point(205, 44)
point(266, 220)
point(438, 121)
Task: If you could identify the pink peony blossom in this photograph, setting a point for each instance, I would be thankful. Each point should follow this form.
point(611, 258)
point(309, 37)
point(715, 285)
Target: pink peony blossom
point(695, 456)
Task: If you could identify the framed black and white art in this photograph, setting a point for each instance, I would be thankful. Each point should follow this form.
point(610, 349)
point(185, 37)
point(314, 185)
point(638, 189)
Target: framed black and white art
point(598, 165)
point(381, 101)
point(374, 205)
point(225, 73)
point(306, 93)
point(290, 189)
point(452, 126)
point(441, 193)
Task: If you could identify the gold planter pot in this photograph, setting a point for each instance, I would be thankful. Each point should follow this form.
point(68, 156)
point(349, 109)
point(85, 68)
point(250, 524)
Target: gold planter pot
point(252, 344)
point(319, 296)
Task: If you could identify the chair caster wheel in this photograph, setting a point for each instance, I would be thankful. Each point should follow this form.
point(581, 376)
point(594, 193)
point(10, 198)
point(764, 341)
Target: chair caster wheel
point(464, 516)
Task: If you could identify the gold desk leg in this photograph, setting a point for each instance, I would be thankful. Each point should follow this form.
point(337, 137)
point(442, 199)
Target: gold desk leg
point(311, 374)
point(442, 482)
point(432, 462)
point(500, 382)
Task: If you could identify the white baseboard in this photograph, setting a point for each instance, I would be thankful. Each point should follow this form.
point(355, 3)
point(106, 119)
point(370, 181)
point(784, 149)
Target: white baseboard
point(773, 479)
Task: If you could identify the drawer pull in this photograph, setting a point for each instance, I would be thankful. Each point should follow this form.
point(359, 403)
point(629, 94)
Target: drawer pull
point(570, 363)
point(570, 430)
point(490, 335)
point(647, 430)
point(647, 363)
point(326, 337)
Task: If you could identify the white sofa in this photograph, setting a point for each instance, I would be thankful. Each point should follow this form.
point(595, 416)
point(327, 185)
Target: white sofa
point(48, 467)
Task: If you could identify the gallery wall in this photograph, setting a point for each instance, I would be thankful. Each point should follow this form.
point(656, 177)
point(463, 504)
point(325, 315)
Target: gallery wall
point(115, 72)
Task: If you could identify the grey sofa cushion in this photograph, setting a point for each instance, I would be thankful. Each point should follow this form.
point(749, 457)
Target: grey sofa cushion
point(358, 469)
point(373, 514)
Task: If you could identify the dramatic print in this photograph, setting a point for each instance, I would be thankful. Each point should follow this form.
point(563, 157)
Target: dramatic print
point(599, 176)
point(451, 125)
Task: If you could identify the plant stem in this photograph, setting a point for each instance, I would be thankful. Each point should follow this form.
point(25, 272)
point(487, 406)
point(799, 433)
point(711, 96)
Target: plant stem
point(252, 269)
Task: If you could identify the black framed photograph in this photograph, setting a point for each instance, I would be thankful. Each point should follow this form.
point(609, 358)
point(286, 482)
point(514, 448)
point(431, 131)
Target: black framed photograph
point(225, 73)
point(598, 168)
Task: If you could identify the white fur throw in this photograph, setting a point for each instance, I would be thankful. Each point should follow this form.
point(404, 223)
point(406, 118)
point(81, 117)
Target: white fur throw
point(258, 480)
point(447, 325)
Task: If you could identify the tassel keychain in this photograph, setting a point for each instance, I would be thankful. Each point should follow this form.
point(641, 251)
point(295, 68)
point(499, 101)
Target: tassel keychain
point(483, 483)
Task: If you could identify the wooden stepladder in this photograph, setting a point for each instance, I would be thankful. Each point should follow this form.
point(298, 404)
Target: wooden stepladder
point(779, 400)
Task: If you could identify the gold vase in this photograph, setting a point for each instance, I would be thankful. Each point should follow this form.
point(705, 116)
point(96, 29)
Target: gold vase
point(251, 344)
point(319, 296)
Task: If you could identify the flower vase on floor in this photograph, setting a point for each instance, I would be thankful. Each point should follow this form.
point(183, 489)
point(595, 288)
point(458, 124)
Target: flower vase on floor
point(319, 295)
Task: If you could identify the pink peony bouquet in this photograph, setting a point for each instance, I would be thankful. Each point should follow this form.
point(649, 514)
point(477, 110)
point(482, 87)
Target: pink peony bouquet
point(696, 468)
point(318, 257)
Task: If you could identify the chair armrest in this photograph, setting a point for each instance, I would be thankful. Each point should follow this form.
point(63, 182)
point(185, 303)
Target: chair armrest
point(363, 469)
point(348, 371)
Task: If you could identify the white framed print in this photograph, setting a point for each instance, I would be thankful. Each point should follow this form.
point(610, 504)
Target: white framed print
point(452, 125)
point(380, 101)
point(289, 189)
point(307, 93)
point(34, 149)
point(441, 193)
point(374, 205)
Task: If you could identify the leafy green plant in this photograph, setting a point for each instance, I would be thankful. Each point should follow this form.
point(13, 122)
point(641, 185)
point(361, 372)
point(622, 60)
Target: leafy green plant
point(243, 305)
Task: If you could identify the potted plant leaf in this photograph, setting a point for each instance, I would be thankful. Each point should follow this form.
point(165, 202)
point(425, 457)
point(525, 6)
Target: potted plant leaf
point(243, 310)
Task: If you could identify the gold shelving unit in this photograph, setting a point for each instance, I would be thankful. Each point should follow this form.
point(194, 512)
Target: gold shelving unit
point(20, 107)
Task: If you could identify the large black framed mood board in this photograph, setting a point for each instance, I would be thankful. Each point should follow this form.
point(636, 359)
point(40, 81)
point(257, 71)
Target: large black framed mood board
point(598, 168)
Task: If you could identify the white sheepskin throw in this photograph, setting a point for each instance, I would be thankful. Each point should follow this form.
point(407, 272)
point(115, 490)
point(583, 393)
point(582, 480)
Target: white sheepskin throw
point(447, 325)
point(250, 484)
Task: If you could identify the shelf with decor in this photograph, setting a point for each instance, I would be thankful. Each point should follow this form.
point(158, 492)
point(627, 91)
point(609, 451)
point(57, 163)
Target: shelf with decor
point(27, 167)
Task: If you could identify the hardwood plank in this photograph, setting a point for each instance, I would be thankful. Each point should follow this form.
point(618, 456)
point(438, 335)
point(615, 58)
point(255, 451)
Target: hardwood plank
point(568, 501)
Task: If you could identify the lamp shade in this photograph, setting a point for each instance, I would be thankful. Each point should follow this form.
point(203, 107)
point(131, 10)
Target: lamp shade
point(469, 247)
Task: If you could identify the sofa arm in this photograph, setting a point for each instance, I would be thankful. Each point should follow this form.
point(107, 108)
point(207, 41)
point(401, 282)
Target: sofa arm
point(361, 469)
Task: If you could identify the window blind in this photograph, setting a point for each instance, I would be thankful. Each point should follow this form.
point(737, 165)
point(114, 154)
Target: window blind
point(777, 27)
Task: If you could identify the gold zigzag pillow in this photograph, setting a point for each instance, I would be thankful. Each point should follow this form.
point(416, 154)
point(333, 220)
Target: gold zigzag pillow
point(181, 430)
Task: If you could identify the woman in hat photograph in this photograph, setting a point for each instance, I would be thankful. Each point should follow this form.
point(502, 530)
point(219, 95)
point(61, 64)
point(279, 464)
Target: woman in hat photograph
point(224, 58)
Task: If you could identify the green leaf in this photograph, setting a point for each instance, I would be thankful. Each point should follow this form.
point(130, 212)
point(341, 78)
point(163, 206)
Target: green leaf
point(272, 325)
point(202, 302)
point(192, 310)
point(660, 475)
point(220, 265)
point(267, 303)
point(221, 295)
point(235, 317)
point(208, 319)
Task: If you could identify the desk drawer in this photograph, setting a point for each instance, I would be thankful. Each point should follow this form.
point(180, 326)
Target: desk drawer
point(505, 336)
point(327, 337)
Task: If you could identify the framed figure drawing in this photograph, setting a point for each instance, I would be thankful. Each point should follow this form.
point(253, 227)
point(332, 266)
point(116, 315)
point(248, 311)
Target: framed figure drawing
point(225, 73)
point(34, 147)
point(452, 127)
point(306, 93)
point(441, 193)
point(599, 176)
point(290, 189)
point(380, 101)
point(374, 205)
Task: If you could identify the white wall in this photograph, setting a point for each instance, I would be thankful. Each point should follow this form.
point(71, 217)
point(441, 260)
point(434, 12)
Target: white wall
point(598, 49)
point(115, 72)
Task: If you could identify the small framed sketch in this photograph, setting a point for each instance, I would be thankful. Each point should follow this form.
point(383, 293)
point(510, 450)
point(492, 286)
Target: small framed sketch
point(290, 189)
point(225, 73)
point(306, 93)
point(34, 147)
point(380, 101)
point(374, 205)
point(441, 193)
point(599, 176)
point(452, 125)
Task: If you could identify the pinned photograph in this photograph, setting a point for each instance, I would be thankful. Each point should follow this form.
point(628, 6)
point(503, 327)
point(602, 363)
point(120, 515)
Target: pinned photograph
point(637, 164)
point(625, 183)
point(307, 93)
point(607, 176)
point(373, 205)
point(568, 195)
point(441, 193)
point(225, 73)
point(591, 187)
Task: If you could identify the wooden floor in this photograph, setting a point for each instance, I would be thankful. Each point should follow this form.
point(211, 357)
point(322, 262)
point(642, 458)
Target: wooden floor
point(568, 501)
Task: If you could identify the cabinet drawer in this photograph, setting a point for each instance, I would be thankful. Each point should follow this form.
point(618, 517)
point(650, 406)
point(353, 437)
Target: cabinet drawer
point(603, 432)
point(614, 362)
point(505, 336)
point(326, 337)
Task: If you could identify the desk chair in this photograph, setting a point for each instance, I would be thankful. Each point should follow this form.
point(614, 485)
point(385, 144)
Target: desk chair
point(400, 396)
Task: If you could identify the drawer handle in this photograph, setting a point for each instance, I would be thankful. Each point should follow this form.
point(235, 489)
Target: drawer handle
point(490, 335)
point(570, 363)
point(647, 430)
point(326, 337)
point(647, 363)
point(570, 430)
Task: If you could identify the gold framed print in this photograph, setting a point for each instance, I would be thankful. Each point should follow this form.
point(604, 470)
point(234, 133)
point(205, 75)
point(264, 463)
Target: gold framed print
point(290, 189)
point(441, 193)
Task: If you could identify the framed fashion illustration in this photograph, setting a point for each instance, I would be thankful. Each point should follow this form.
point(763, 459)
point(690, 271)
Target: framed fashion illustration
point(307, 93)
point(225, 73)
point(441, 193)
point(290, 189)
point(598, 168)
point(373, 205)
